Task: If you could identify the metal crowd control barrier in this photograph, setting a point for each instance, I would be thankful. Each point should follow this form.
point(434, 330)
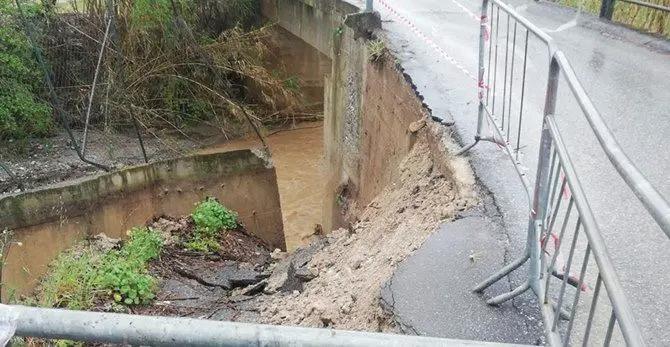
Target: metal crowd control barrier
point(576, 322)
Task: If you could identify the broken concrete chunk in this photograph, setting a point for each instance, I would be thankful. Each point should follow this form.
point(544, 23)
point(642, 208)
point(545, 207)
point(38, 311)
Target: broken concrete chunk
point(292, 282)
point(244, 277)
point(230, 276)
point(304, 274)
point(283, 279)
point(255, 289)
point(104, 243)
point(302, 256)
point(277, 254)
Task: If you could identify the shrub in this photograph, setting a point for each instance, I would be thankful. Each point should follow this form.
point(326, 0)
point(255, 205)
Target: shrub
point(21, 113)
point(144, 244)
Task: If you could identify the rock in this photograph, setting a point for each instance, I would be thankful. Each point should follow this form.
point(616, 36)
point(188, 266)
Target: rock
point(346, 304)
point(292, 282)
point(290, 273)
point(283, 279)
point(356, 264)
point(302, 256)
point(104, 243)
point(304, 274)
point(277, 254)
point(416, 126)
point(255, 289)
point(230, 276)
point(278, 278)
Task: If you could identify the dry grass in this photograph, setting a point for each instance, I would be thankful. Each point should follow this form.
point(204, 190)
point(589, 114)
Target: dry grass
point(650, 20)
point(166, 68)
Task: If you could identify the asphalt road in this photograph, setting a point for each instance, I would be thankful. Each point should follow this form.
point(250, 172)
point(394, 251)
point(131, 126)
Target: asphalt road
point(626, 74)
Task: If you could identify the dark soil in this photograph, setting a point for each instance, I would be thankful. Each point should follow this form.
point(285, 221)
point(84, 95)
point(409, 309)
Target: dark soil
point(46, 161)
point(218, 285)
point(52, 160)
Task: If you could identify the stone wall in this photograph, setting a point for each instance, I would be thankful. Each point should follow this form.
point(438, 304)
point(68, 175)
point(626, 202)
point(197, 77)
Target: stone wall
point(47, 221)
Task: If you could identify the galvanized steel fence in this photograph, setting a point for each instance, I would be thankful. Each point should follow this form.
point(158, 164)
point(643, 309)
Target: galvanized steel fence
point(559, 212)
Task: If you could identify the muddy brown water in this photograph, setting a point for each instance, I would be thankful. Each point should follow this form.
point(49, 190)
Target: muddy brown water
point(298, 158)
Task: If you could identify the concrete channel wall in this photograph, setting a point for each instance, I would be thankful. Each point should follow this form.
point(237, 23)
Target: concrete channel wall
point(368, 106)
point(48, 221)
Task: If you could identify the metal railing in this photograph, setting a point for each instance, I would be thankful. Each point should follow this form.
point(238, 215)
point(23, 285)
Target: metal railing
point(138, 330)
point(607, 7)
point(556, 180)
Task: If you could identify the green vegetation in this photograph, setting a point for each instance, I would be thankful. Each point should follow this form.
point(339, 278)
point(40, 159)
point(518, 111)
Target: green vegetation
point(210, 218)
point(167, 64)
point(123, 273)
point(638, 17)
point(84, 277)
point(79, 278)
point(22, 113)
point(377, 50)
point(71, 282)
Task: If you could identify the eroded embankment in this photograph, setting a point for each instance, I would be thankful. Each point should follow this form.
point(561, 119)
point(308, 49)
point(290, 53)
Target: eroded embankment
point(351, 265)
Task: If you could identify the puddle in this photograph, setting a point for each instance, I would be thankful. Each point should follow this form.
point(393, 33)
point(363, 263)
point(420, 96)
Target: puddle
point(298, 159)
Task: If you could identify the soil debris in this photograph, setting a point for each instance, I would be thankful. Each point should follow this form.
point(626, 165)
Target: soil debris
point(349, 268)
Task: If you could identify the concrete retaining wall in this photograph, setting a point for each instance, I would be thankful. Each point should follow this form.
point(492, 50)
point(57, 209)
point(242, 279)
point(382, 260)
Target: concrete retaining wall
point(368, 106)
point(50, 220)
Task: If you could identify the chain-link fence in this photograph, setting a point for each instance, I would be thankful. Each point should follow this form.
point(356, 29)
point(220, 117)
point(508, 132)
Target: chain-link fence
point(127, 82)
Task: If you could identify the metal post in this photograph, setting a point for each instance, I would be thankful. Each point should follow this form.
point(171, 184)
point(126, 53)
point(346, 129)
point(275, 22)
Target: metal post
point(540, 201)
point(607, 9)
point(369, 7)
point(483, 34)
point(542, 179)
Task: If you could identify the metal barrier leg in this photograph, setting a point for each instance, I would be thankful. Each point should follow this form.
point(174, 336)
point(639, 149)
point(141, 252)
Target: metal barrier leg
point(510, 295)
point(481, 86)
point(563, 314)
point(468, 147)
point(501, 273)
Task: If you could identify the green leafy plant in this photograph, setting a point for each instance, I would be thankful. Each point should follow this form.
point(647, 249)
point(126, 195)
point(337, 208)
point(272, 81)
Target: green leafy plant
point(22, 114)
point(78, 277)
point(377, 50)
point(210, 217)
point(124, 273)
point(203, 244)
point(292, 83)
point(144, 244)
point(127, 281)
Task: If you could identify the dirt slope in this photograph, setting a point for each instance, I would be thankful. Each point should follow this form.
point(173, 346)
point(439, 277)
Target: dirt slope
point(355, 263)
